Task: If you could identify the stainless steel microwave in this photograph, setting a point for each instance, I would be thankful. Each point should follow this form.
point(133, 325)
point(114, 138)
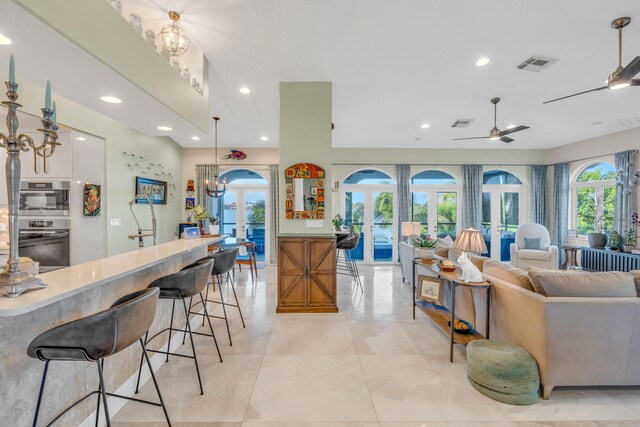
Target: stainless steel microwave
point(44, 198)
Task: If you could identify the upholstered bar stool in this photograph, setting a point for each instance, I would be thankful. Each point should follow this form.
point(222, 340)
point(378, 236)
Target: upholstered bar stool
point(95, 337)
point(224, 262)
point(178, 287)
point(346, 264)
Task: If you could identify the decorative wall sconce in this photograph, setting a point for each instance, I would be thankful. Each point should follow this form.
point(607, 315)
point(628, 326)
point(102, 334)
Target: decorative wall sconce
point(336, 186)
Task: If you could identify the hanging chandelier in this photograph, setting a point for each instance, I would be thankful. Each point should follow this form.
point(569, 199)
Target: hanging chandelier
point(173, 38)
point(216, 191)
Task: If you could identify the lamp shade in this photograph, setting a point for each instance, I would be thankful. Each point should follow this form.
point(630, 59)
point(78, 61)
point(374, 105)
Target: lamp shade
point(470, 240)
point(411, 228)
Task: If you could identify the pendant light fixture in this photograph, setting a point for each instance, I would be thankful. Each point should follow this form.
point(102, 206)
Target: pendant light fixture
point(216, 191)
point(173, 38)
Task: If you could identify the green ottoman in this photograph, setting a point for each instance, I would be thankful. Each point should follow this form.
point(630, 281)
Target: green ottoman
point(503, 372)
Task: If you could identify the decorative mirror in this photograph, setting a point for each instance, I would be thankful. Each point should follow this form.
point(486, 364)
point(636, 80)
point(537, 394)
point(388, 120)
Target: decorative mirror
point(305, 191)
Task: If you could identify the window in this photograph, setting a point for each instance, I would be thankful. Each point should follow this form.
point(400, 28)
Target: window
point(500, 177)
point(440, 217)
point(593, 194)
point(369, 176)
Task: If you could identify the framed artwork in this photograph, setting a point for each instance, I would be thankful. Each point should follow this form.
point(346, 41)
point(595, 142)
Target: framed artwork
point(430, 289)
point(304, 189)
point(157, 190)
point(189, 203)
point(191, 233)
point(91, 200)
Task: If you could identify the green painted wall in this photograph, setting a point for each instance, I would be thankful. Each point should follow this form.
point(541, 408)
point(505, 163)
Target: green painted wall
point(305, 136)
point(98, 29)
point(120, 180)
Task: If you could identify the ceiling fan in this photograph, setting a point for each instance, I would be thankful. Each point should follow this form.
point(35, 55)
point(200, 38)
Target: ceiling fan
point(621, 77)
point(496, 134)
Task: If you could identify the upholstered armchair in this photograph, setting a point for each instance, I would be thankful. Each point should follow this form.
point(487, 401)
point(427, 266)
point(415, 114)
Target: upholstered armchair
point(533, 248)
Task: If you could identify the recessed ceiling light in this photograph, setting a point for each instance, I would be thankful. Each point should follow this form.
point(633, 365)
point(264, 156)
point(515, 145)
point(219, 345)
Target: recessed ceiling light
point(4, 39)
point(264, 138)
point(511, 126)
point(482, 62)
point(425, 125)
point(111, 99)
point(165, 128)
point(245, 90)
point(195, 138)
point(81, 138)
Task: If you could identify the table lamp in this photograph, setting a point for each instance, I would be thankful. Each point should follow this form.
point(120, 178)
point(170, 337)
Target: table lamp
point(411, 229)
point(470, 240)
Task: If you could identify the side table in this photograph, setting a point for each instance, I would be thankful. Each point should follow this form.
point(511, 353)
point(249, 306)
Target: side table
point(445, 318)
point(570, 257)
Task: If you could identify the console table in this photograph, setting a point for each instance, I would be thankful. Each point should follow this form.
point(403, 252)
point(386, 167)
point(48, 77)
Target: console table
point(607, 260)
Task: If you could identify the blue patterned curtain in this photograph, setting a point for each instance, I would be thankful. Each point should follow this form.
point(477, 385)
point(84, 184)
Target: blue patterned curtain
point(472, 196)
point(274, 197)
point(560, 207)
point(403, 173)
point(625, 191)
point(204, 173)
point(539, 195)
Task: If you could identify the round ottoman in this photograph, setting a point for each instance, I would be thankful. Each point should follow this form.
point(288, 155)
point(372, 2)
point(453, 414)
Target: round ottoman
point(503, 372)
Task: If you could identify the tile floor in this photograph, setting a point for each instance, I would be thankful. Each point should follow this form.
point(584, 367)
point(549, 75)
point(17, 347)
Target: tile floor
point(370, 365)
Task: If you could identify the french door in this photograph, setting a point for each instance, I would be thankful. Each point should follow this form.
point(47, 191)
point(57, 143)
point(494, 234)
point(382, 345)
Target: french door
point(436, 209)
point(502, 213)
point(245, 214)
point(372, 212)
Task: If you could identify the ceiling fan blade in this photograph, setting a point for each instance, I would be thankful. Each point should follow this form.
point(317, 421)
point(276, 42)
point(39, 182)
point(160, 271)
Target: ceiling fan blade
point(512, 130)
point(506, 139)
point(635, 82)
point(576, 94)
point(474, 137)
point(631, 69)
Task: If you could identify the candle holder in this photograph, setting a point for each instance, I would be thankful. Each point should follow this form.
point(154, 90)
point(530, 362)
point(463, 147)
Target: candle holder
point(13, 280)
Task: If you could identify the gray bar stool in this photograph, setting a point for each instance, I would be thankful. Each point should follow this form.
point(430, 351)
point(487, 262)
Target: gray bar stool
point(347, 264)
point(95, 337)
point(179, 286)
point(223, 266)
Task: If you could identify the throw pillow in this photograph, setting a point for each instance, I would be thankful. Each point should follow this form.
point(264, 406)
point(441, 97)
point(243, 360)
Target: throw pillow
point(446, 241)
point(532, 243)
point(636, 278)
point(560, 283)
point(508, 273)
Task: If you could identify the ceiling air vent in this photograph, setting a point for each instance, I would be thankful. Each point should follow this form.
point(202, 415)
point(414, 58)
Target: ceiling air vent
point(536, 63)
point(462, 123)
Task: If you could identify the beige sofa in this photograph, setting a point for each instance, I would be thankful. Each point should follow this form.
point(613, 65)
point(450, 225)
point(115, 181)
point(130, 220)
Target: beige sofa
point(575, 341)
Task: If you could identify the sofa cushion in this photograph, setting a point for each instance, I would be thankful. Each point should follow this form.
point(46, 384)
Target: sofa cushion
point(532, 243)
point(636, 278)
point(508, 273)
point(477, 260)
point(533, 254)
point(560, 283)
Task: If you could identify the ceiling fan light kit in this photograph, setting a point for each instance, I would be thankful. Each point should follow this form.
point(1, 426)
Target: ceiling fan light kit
point(621, 77)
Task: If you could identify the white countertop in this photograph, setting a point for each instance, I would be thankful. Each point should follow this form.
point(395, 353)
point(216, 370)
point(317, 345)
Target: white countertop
point(73, 280)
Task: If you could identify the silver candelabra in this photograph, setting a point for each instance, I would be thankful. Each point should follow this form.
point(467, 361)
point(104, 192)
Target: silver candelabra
point(13, 280)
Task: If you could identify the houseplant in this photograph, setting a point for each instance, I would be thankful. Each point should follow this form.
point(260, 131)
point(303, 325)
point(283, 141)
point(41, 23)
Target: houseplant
point(214, 227)
point(426, 246)
point(200, 214)
point(630, 240)
point(337, 222)
point(598, 239)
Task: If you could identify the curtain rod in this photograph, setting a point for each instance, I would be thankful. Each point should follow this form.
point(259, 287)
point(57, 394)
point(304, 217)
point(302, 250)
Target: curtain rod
point(593, 157)
point(432, 164)
point(239, 164)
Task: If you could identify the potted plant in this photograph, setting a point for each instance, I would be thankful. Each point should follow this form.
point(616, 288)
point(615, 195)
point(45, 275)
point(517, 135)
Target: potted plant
point(426, 247)
point(598, 239)
point(337, 222)
point(630, 240)
point(200, 214)
point(214, 227)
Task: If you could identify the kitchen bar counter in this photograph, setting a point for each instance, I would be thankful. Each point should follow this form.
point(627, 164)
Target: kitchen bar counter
point(75, 292)
point(70, 281)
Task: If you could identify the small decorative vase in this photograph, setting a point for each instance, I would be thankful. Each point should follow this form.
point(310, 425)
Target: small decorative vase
point(628, 247)
point(426, 254)
point(136, 21)
point(117, 5)
point(597, 240)
point(186, 74)
point(201, 227)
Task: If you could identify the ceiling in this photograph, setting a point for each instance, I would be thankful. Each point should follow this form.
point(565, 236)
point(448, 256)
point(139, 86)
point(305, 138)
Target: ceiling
point(396, 65)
